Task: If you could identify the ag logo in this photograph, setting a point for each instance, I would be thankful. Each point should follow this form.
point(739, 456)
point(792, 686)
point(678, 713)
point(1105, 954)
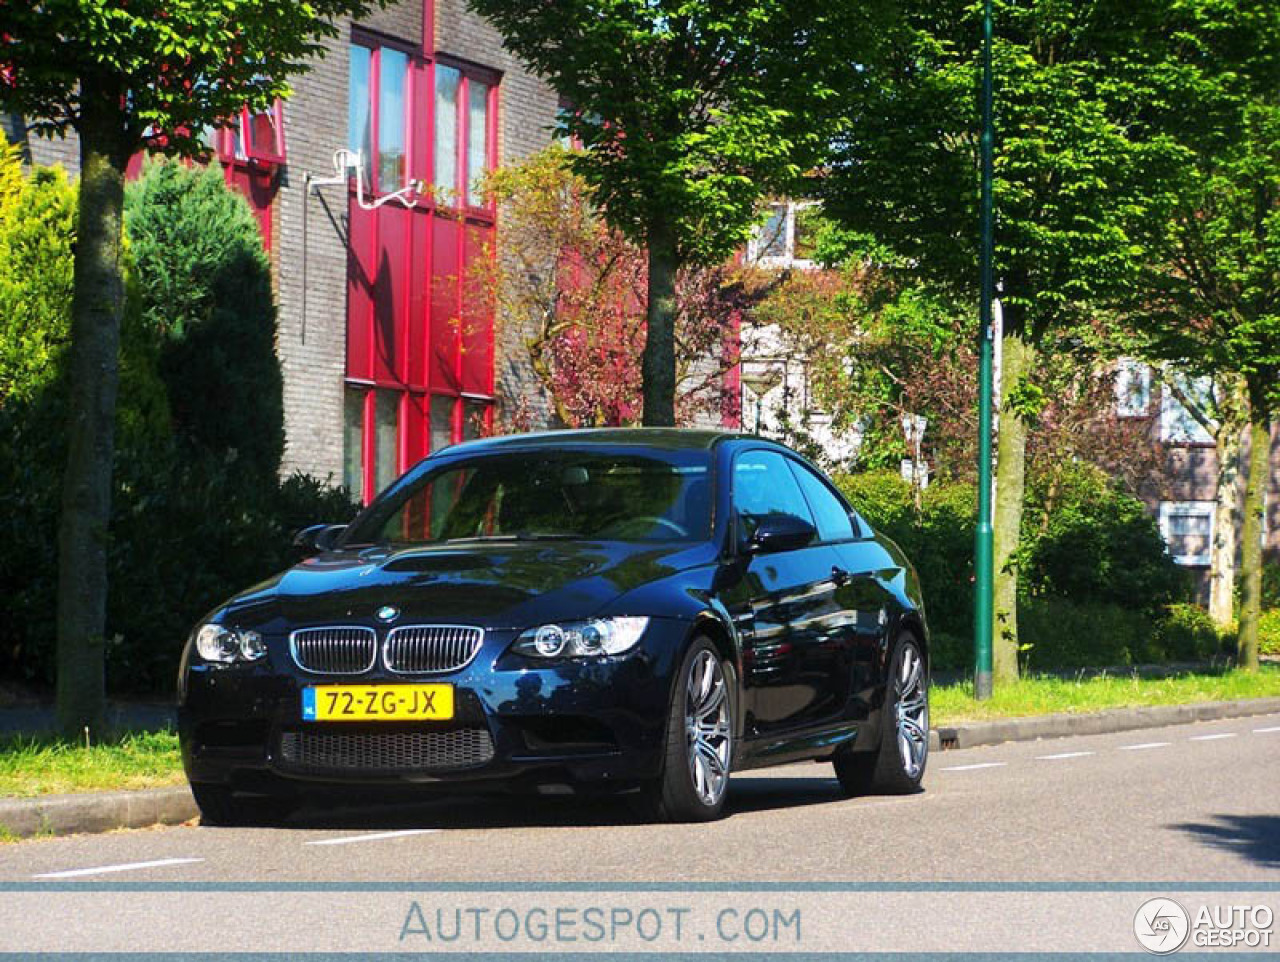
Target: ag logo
point(1161, 926)
point(387, 614)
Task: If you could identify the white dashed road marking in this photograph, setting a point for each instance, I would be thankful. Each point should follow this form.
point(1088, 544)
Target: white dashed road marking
point(348, 839)
point(126, 867)
point(1050, 758)
point(969, 768)
point(1134, 748)
point(1263, 731)
point(1210, 738)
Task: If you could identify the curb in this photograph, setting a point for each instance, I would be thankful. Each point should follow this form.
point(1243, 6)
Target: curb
point(96, 811)
point(107, 811)
point(1094, 723)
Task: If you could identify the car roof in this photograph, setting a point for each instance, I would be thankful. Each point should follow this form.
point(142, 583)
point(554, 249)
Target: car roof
point(662, 438)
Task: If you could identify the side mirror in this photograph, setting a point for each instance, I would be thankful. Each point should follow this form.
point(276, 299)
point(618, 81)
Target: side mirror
point(318, 537)
point(781, 532)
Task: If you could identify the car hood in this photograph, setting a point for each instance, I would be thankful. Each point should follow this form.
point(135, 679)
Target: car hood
point(507, 585)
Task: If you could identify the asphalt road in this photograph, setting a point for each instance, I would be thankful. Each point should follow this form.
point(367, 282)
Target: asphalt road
point(1184, 803)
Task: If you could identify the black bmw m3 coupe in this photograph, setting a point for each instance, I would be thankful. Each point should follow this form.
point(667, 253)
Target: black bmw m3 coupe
point(641, 611)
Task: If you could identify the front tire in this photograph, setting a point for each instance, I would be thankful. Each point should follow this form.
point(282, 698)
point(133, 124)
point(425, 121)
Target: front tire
point(699, 741)
point(896, 766)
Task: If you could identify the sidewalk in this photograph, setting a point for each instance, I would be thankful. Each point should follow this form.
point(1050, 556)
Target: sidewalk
point(107, 811)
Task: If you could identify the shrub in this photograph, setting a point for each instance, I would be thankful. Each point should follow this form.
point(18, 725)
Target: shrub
point(1269, 632)
point(37, 233)
point(938, 540)
point(1061, 633)
point(1089, 551)
point(196, 515)
point(186, 532)
point(1084, 538)
point(1271, 584)
point(1187, 633)
point(204, 294)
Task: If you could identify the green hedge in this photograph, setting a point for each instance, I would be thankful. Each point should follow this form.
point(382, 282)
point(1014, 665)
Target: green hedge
point(1269, 632)
point(186, 532)
point(1271, 584)
point(1096, 585)
point(938, 540)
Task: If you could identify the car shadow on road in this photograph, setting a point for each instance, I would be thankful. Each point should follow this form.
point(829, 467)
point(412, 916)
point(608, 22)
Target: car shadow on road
point(746, 795)
point(1253, 837)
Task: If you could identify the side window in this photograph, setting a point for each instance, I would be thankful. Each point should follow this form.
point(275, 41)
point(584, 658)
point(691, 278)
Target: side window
point(764, 485)
point(834, 523)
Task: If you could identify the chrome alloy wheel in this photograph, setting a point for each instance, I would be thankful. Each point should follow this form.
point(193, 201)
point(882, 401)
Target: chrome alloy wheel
point(912, 702)
point(708, 728)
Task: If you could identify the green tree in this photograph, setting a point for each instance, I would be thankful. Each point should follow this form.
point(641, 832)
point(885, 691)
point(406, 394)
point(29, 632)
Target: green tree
point(126, 75)
point(689, 112)
point(1068, 187)
point(204, 296)
point(1210, 294)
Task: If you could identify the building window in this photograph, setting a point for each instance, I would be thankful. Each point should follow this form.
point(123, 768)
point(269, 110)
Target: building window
point(464, 147)
point(378, 114)
point(1133, 388)
point(420, 344)
point(786, 237)
point(1187, 527)
point(1177, 424)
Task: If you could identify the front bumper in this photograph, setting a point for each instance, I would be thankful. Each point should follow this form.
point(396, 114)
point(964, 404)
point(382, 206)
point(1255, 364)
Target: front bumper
point(518, 723)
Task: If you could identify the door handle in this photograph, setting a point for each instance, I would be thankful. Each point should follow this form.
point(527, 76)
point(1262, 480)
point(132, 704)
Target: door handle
point(839, 576)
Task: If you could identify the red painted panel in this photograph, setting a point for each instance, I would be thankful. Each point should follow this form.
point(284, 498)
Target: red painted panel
point(444, 304)
point(391, 292)
point(419, 320)
point(361, 275)
point(477, 315)
point(417, 441)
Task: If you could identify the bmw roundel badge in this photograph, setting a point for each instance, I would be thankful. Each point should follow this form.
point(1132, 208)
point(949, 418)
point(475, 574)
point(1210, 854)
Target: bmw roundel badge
point(387, 614)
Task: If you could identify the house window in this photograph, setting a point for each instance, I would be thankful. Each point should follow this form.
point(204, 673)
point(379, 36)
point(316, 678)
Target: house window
point(378, 114)
point(1177, 424)
point(464, 148)
point(1133, 388)
point(1187, 527)
point(786, 237)
point(420, 343)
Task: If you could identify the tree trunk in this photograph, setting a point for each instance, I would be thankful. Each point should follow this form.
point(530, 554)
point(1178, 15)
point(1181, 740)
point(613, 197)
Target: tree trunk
point(659, 362)
point(1255, 495)
point(1017, 358)
point(93, 357)
point(1232, 420)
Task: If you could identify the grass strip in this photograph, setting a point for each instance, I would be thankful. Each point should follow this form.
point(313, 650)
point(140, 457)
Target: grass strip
point(45, 766)
point(1046, 695)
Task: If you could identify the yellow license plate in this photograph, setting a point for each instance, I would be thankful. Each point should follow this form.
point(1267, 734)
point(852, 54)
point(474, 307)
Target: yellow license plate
point(365, 703)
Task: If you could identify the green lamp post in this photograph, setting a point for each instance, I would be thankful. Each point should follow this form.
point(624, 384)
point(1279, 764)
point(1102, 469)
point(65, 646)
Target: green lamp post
point(983, 582)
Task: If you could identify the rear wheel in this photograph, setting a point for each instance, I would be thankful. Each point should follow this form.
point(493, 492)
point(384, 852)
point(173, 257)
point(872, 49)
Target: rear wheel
point(220, 806)
point(897, 765)
point(699, 749)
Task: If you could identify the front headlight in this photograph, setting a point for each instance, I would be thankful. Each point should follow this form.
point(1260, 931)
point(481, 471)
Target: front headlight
point(581, 639)
point(224, 646)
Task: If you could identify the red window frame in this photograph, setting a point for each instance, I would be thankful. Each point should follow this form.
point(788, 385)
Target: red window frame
point(469, 73)
point(234, 145)
point(412, 311)
point(416, 154)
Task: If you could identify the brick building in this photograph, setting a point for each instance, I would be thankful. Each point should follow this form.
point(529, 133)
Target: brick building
point(384, 355)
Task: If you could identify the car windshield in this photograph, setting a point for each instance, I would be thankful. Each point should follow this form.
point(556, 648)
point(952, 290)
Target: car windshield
point(524, 495)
